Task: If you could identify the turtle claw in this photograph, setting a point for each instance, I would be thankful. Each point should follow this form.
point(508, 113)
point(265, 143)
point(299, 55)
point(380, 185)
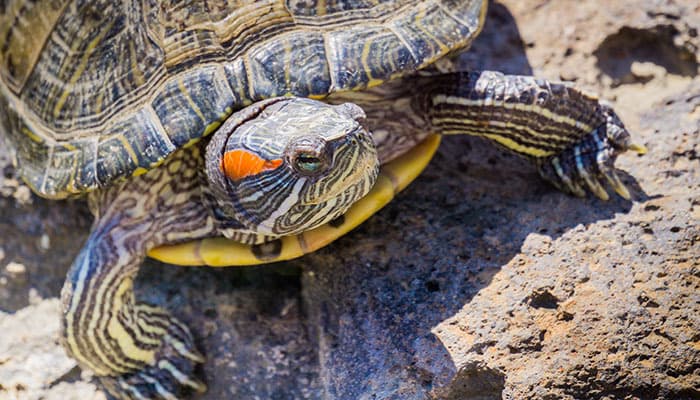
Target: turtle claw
point(591, 180)
point(614, 181)
point(637, 148)
point(583, 165)
point(597, 189)
point(563, 183)
point(169, 376)
point(167, 380)
point(618, 186)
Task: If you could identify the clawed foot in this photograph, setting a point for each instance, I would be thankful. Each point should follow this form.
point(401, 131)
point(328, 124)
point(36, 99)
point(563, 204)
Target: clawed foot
point(171, 375)
point(593, 158)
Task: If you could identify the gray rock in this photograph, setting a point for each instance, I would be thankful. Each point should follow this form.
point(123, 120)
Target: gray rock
point(478, 282)
point(33, 364)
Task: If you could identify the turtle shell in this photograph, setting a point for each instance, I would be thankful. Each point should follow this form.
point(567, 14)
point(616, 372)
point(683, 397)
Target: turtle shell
point(93, 91)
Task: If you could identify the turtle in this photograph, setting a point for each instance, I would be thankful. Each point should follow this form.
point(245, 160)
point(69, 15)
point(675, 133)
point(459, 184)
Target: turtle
point(240, 132)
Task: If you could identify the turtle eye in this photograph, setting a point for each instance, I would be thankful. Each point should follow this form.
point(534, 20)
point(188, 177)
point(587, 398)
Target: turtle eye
point(308, 164)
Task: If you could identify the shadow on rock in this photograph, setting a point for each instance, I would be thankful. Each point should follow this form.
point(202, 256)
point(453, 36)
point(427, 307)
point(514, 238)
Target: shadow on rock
point(40, 238)
point(499, 46)
point(374, 298)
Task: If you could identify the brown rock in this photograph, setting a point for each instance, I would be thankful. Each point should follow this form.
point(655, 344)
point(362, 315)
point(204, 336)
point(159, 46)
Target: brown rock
point(478, 282)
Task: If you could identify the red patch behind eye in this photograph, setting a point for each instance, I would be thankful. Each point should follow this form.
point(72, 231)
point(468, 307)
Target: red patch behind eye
point(238, 164)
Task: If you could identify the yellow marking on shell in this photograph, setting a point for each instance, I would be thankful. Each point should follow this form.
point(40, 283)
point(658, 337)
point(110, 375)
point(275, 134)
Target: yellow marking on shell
point(138, 75)
point(288, 49)
point(243, 91)
point(99, 102)
point(249, 78)
point(31, 135)
point(139, 171)
point(321, 7)
point(211, 127)
point(193, 105)
point(419, 17)
point(191, 142)
point(73, 170)
point(482, 16)
point(71, 187)
point(364, 59)
point(81, 67)
point(69, 146)
point(374, 82)
point(371, 81)
point(221, 252)
point(129, 149)
point(216, 124)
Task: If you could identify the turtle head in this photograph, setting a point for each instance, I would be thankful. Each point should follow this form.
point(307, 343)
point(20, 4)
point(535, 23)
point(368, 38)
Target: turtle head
point(286, 165)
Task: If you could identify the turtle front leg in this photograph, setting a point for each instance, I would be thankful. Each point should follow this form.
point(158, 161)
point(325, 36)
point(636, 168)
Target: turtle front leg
point(591, 160)
point(138, 351)
point(571, 136)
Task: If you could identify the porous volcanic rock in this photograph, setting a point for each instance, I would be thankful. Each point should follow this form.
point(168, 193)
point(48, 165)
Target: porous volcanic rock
point(478, 282)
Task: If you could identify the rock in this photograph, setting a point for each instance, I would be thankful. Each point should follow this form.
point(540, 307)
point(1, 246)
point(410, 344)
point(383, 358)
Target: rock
point(16, 269)
point(44, 242)
point(478, 282)
point(23, 195)
point(33, 364)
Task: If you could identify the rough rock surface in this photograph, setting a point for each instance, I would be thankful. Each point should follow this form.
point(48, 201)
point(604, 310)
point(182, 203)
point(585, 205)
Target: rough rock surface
point(478, 282)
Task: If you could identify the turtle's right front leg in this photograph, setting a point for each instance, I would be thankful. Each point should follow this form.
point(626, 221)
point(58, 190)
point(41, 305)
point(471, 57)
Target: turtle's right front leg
point(572, 137)
point(138, 351)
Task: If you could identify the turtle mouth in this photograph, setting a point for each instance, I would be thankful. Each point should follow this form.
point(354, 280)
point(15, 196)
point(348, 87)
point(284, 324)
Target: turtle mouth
point(361, 179)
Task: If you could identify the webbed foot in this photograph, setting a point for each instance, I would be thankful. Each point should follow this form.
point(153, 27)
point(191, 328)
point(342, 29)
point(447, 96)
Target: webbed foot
point(583, 166)
point(170, 375)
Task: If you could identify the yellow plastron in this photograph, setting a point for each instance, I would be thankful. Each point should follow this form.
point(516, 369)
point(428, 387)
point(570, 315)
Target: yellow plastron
point(222, 252)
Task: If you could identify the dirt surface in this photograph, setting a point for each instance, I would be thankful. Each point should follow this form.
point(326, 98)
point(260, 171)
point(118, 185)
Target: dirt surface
point(479, 281)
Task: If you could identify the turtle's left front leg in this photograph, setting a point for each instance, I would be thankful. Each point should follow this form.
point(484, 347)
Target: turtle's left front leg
point(137, 350)
point(572, 137)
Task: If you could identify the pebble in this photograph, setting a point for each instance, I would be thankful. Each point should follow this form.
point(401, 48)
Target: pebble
point(646, 70)
point(15, 268)
point(34, 296)
point(45, 242)
point(23, 195)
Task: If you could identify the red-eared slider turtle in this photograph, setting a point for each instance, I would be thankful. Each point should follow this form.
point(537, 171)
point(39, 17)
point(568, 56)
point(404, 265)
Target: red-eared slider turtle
point(259, 121)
